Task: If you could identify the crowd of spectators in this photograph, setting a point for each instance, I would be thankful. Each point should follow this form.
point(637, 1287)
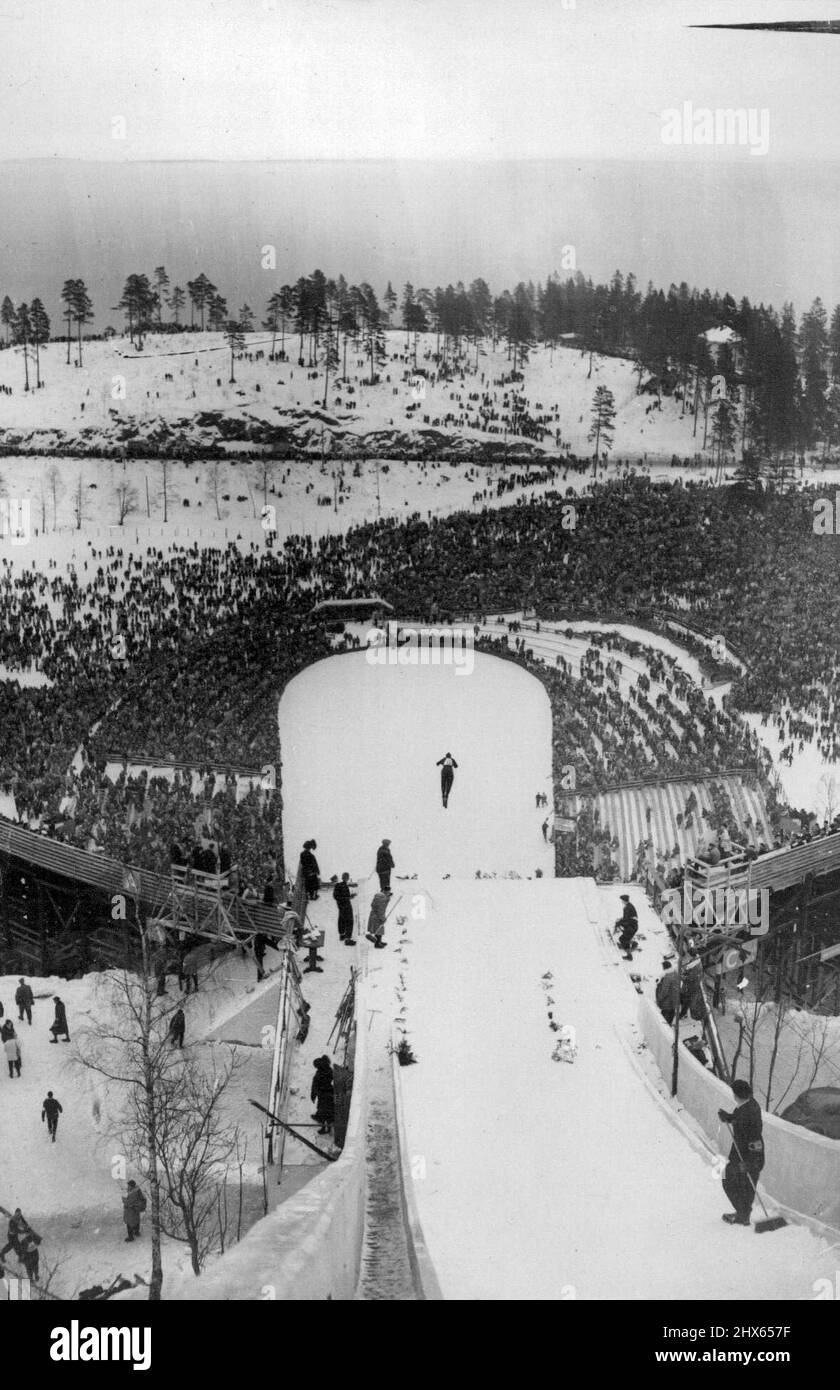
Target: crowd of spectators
point(181, 656)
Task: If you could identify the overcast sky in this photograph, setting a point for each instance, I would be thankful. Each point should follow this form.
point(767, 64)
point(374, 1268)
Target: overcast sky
point(581, 87)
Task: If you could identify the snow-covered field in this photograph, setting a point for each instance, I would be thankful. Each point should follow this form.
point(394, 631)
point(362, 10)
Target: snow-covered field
point(179, 381)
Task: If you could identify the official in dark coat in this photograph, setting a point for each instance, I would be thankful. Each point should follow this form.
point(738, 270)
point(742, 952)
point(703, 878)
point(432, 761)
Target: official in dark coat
point(344, 901)
point(59, 1024)
point(746, 1157)
point(323, 1094)
point(310, 870)
point(384, 865)
point(24, 999)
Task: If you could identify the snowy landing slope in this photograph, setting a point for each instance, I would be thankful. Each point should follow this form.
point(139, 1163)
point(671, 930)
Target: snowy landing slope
point(360, 745)
point(542, 1179)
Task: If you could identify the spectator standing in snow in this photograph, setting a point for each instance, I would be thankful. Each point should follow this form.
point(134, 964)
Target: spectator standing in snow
point(133, 1204)
point(376, 918)
point(18, 1228)
point(310, 870)
point(384, 865)
point(344, 899)
point(629, 924)
point(323, 1093)
point(261, 941)
point(177, 1028)
point(59, 1024)
point(746, 1157)
point(50, 1111)
point(24, 999)
point(545, 829)
point(11, 1047)
point(29, 1256)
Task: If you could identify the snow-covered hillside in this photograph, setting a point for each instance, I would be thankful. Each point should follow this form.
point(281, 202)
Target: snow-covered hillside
point(177, 391)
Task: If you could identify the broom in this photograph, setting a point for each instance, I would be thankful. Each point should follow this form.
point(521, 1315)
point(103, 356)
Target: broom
point(770, 1223)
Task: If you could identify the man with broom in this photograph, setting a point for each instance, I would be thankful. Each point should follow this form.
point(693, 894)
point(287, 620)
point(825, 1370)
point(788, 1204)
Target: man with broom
point(746, 1157)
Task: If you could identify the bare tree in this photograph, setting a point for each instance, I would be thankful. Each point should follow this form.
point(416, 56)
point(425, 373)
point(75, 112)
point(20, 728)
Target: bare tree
point(196, 1149)
point(214, 487)
point(56, 489)
point(127, 500)
point(79, 502)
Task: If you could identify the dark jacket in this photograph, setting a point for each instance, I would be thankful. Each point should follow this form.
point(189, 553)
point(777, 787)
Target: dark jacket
point(60, 1022)
point(309, 864)
point(668, 992)
point(629, 916)
point(133, 1204)
point(343, 896)
point(747, 1142)
point(323, 1091)
point(24, 995)
point(384, 859)
point(51, 1108)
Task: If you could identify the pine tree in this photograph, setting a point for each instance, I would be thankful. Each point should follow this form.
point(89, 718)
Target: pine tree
point(67, 294)
point(40, 334)
point(390, 301)
point(82, 310)
point(176, 303)
point(161, 286)
point(814, 345)
point(603, 415)
point(235, 341)
point(22, 335)
point(246, 318)
point(7, 316)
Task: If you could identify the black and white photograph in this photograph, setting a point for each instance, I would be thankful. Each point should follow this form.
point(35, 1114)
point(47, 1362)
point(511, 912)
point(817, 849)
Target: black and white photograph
point(420, 659)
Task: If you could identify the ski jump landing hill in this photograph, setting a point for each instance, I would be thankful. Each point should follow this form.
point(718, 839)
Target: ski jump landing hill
point(513, 1159)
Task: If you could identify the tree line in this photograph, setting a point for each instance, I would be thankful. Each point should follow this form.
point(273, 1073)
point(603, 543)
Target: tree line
point(782, 377)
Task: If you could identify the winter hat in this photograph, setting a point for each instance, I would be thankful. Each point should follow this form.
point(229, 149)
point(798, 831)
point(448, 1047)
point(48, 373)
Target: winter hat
point(386, 842)
point(625, 897)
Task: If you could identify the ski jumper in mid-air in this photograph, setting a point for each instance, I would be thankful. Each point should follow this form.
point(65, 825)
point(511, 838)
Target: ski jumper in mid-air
point(447, 765)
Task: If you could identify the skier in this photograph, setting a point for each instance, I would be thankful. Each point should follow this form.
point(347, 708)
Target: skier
point(24, 999)
point(629, 924)
point(384, 865)
point(343, 898)
point(447, 765)
point(11, 1047)
point(50, 1111)
point(376, 918)
point(746, 1157)
point(133, 1204)
point(323, 1093)
point(59, 1024)
point(310, 870)
point(177, 1026)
